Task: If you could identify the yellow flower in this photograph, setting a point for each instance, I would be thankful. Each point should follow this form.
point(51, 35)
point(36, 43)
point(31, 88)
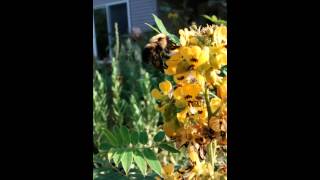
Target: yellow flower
point(198, 114)
point(218, 57)
point(193, 155)
point(224, 109)
point(194, 66)
point(189, 77)
point(215, 103)
point(183, 66)
point(212, 77)
point(195, 56)
point(187, 92)
point(222, 89)
point(202, 115)
point(220, 35)
point(155, 93)
point(193, 40)
point(168, 170)
point(185, 35)
point(186, 59)
point(181, 116)
point(172, 63)
point(165, 88)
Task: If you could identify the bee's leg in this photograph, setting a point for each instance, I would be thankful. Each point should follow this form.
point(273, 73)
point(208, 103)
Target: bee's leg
point(163, 59)
point(166, 55)
point(164, 65)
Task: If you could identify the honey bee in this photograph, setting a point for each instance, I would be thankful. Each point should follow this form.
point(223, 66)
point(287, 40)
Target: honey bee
point(158, 50)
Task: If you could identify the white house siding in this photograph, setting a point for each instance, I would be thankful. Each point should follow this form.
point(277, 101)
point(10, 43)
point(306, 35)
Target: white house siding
point(140, 11)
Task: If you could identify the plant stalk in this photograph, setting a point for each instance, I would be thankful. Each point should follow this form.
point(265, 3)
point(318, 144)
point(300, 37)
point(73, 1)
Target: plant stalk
point(212, 152)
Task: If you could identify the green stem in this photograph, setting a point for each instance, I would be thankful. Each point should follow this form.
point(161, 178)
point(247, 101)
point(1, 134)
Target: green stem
point(206, 94)
point(212, 150)
point(117, 41)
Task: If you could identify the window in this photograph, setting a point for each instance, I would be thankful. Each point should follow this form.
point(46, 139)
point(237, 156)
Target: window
point(101, 32)
point(118, 13)
point(104, 18)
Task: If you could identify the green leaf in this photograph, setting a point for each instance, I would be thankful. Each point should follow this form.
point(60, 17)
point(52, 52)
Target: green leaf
point(153, 28)
point(134, 137)
point(125, 135)
point(215, 20)
point(207, 17)
point(117, 156)
point(117, 135)
point(212, 18)
point(126, 160)
point(175, 39)
point(159, 136)
point(223, 71)
point(168, 148)
point(152, 160)
point(104, 147)
point(143, 137)
point(111, 139)
point(139, 160)
point(160, 25)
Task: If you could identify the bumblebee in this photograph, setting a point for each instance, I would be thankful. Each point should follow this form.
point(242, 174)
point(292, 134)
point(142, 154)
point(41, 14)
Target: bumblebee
point(157, 51)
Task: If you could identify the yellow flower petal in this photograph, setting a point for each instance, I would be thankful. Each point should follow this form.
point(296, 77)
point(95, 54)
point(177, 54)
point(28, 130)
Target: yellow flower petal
point(196, 51)
point(181, 116)
point(165, 87)
point(222, 90)
point(220, 35)
point(218, 57)
point(171, 70)
point(168, 169)
point(202, 115)
point(215, 103)
point(193, 40)
point(193, 155)
point(204, 56)
point(155, 93)
point(172, 62)
point(212, 77)
point(193, 90)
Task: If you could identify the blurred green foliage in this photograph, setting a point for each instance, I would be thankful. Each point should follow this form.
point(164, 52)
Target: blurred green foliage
point(126, 124)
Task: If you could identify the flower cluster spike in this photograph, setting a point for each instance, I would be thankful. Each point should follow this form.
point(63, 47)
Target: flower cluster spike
point(194, 103)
